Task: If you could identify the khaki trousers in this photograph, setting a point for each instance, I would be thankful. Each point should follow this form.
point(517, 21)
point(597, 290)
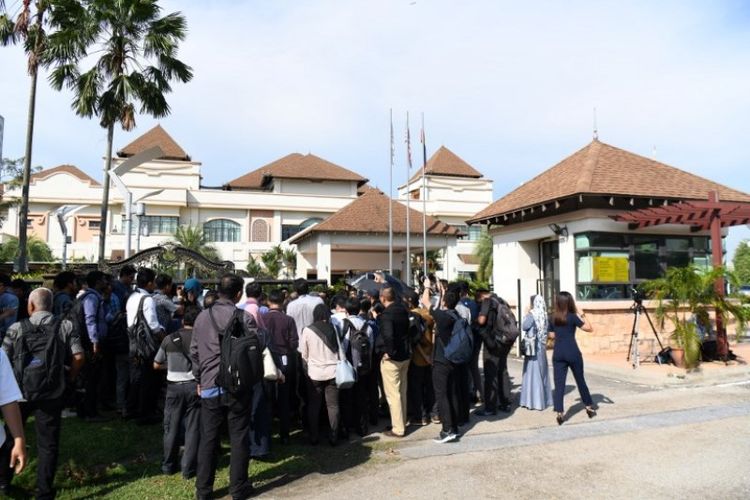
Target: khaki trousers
point(394, 383)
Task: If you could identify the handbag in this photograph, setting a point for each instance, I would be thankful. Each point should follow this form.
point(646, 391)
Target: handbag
point(270, 372)
point(345, 374)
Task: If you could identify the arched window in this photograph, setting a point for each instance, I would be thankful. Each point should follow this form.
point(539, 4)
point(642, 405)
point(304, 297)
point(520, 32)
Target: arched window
point(221, 230)
point(309, 222)
point(260, 230)
point(289, 230)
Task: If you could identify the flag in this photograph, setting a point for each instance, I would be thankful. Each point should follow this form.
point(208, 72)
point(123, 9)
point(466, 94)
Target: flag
point(408, 142)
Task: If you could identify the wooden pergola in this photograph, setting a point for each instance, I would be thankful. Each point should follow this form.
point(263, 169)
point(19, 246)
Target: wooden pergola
point(710, 215)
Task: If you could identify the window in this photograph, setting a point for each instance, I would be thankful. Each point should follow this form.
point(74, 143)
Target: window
point(95, 224)
point(152, 224)
point(221, 230)
point(470, 233)
point(289, 230)
point(608, 265)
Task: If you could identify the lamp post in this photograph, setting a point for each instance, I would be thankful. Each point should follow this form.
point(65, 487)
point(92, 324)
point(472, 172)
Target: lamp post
point(140, 211)
point(115, 175)
point(63, 213)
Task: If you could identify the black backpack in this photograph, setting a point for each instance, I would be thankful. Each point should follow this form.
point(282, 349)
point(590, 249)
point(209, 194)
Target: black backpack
point(117, 339)
point(143, 345)
point(359, 344)
point(502, 328)
point(241, 362)
point(416, 329)
point(39, 361)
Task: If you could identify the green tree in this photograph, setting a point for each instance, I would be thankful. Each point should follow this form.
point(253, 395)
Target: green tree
point(272, 261)
point(254, 269)
point(37, 249)
point(193, 238)
point(29, 27)
point(741, 262)
point(289, 257)
point(483, 252)
point(11, 174)
point(133, 53)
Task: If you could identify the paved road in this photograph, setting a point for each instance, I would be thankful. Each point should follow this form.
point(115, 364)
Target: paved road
point(646, 442)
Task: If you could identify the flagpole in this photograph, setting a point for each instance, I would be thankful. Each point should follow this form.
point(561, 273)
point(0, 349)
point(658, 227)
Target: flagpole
point(408, 195)
point(424, 200)
point(390, 206)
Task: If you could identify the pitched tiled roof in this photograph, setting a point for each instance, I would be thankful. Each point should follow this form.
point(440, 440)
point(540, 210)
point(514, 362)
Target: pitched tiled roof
point(601, 169)
point(70, 169)
point(369, 214)
point(295, 166)
point(446, 163)
point(157, 136)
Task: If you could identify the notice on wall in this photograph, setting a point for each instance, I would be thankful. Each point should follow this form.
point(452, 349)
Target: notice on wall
point(611, 269)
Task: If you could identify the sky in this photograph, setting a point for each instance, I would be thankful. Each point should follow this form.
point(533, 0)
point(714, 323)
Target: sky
point(508, 86)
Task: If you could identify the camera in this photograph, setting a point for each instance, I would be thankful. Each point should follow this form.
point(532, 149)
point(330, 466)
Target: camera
point(638, 295)
point(433, 282)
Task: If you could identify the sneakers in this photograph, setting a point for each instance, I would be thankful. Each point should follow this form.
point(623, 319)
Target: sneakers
point(445, 437)
point(435, 419)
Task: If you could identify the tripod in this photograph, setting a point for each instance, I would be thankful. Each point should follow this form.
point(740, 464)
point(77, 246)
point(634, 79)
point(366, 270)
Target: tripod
point(633, 353)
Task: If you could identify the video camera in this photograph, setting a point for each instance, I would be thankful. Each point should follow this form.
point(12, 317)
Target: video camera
point(638, 295)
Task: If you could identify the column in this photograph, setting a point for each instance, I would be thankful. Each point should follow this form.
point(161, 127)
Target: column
point(323, 250)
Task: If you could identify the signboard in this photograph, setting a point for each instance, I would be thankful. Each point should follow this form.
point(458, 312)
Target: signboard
point(611, 269)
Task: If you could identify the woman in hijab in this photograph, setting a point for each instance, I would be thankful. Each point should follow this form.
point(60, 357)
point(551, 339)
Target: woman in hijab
point(536, 390)
point(319, 349)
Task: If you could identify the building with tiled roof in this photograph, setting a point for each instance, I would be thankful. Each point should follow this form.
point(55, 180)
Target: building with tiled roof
point(244, 218)
point(157, 136)
point(557, 232)
point(295, 167)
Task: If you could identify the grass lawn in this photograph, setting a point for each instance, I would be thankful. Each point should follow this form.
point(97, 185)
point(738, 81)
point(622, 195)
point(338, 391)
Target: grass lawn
point(119, 459)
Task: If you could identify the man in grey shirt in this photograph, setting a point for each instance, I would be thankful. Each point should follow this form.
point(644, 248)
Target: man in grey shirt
point(301, 308)
point(182, 404)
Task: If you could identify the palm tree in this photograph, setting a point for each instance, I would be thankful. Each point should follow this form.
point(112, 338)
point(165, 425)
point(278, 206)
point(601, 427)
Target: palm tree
point(38, 250)
point(254, 269)
point(272, 261)
point(30, 28)
point(135, 61)
point(193, 238)
point(483, 251)
point(289, 257)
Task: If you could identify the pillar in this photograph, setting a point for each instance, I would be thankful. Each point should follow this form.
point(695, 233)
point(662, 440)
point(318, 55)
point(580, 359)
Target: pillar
point(324, 257)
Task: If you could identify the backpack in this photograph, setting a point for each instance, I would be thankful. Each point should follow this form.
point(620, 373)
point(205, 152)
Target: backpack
point(143, 345)
point(241, 361)
point(359, 344)
point(117, 339)
point(416, 328)
point(502, 329)
point(39, 361)
point(461, 345)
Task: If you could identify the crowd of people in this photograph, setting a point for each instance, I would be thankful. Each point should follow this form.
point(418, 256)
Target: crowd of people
point(236, 358)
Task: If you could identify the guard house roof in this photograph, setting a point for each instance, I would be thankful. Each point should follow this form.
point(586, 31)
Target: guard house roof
point(601, 174)
point(157, 136)
point(368, 214)
point(295, 166)
point(445, 162)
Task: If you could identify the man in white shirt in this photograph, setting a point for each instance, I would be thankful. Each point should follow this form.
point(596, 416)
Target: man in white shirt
point(142, 394)
point(301, 309)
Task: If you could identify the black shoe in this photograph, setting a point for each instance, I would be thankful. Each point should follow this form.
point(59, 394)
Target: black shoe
point(485, 413)
point(505, 408)
point(249, 492)
point(590, 412)
point(284, 440)
point(560, 419)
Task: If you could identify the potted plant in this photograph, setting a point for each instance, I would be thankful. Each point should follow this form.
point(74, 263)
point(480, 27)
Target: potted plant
point(685, 293)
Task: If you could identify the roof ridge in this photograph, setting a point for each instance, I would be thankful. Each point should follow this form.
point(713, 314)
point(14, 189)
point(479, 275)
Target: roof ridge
point(589, 165)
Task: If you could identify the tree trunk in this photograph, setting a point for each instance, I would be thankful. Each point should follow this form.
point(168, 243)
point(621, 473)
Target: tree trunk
point(105, 194)
point(22, 264)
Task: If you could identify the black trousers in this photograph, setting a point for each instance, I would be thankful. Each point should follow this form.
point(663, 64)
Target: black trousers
point(420, 393)
point(47, 423)
point(181, 411)
point(92, 373)
point(143, 389)
point(496, 379)
point(283, 396)
point(237, 412)
point(354, 405)
point(317, 390)
point(461, 389)
point(476, 379)
point(560, 366)
point(443, 379)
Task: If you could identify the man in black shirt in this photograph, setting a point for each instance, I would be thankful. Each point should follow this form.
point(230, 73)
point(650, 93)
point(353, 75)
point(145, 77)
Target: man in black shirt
point(443, 371)
point(182, 405)
point(495, 360)
point(283, 341)
point(393, 342)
